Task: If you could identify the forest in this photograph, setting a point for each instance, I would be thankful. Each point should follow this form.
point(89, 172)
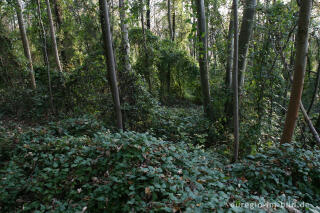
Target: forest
point(159, 106)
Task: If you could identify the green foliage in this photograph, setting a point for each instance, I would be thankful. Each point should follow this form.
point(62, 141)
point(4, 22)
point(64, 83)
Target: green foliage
point(180, 165)
point(7, 142)
point(75, 164)
point(138, 113)
point(289, 170)
point(106, 172)
point(186, 124)
point(183, 71)
point(85, 125)
point(166, 61)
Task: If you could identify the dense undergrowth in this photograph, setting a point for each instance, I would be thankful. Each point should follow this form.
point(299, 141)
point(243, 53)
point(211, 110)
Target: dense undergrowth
point(78, 165)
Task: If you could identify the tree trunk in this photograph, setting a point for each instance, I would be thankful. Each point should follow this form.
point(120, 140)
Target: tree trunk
point(109, 55)
point(228, 86)
point(59, 20)
point(202, 39)
point(58, 13)
point(169, 20)
point(171, 25)
point(230, 52)
point(244, 37)
point(147, 73)
point(148, 15)
point(299, 70)
point(45, 52)
point(53, 37)
point(318, 123)
point(25, 42)
point(317, 82)
point(235, 83)
point(309, 122)
point(111, 16)
point(126, 76)
point(168, 80)
point(124, 38)
point(173, 20)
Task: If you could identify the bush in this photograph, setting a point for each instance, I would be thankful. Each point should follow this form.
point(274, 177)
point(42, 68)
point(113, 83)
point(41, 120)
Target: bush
point(185, 124)
point(76, 165)
point(108, 172)
point(290, 171)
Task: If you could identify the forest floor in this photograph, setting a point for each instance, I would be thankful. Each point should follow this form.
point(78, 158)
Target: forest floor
point(78, 165)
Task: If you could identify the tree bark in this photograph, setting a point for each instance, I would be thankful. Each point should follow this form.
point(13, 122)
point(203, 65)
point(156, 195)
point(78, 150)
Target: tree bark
point(173, 20)
point(53, 37)
point(235, 83)
point(299, 70)
point(316, 86)
point(230, 52)
point(25, 42)
point(202, 39)
point(147, 73)
point(309, 122)
point(110, 61)
point(45, 52)
point(59, 20)
point(318, 123)
point(169, 20)
point(148, 15)
point(58, 13)
point(124, 38)
point(244, 37)
point(228, 87)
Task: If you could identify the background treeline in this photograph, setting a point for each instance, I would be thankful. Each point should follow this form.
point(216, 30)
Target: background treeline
point(156, 52)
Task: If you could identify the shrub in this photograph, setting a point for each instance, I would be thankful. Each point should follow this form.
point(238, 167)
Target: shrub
point(289, 170)
point(109, 172)
point(185, 124)
point(76, 165)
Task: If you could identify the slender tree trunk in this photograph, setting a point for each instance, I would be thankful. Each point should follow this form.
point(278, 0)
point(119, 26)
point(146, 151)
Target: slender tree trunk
point(148, 15)
point(59, 21)
point(235, 83)
point(53, 37)
point(315, 92)
point(58, 12)
point(173, 20)
point(25, 42)
point(202, 38)
point(124, 38)
point(111, 15)
point(171, 34)
point(14, 22)
point(299, 70)
point(230, 52)
point(148, 74)
point(318, 123)
point(110, 61)
point(228, 86)
point(244, 37)
point(316, 86)
point(169, 20)
point(45, 51)
point(309, 122)
point(126, 76)
point(168, 80)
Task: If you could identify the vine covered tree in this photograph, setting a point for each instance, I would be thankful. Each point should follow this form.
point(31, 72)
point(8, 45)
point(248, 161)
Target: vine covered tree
point(202, 57)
